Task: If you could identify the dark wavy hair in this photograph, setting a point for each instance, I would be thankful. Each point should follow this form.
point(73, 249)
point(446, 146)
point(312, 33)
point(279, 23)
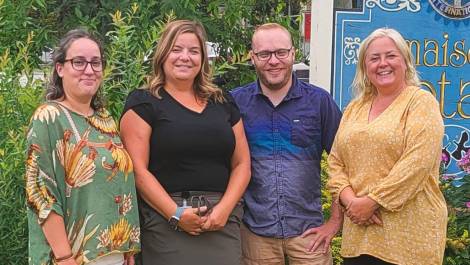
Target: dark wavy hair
point(55, 89)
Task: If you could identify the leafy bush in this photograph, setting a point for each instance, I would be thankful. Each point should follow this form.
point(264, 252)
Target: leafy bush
point(17, 103)
point(326, 205)
point(457, 194)
point(129, 55)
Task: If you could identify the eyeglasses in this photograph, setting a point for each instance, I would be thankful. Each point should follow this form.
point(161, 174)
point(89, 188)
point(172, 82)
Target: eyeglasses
point(201, 201)
point(279, 53)
point(80, 64)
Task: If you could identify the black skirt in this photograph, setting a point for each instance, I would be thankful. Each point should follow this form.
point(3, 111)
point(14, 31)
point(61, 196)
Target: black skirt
point(162, 245)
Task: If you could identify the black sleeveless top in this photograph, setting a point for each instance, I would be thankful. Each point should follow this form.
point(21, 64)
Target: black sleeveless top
point(188, 150)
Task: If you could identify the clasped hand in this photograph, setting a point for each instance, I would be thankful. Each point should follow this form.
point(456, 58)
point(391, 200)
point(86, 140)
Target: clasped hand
point(194, 221)
point(363, 211)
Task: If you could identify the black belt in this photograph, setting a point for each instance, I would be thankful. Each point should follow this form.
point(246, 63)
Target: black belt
point(197, 199)
point(189, 194)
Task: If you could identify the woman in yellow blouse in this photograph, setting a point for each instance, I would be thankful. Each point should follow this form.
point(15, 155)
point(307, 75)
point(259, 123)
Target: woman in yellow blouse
point(384, 164)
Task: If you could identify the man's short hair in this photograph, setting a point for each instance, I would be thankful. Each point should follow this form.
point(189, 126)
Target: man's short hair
point(268, 26)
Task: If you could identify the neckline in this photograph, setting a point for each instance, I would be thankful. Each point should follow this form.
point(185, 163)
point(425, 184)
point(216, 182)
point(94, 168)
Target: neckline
point(183, 106)
point(369, 107)
point(74, 111)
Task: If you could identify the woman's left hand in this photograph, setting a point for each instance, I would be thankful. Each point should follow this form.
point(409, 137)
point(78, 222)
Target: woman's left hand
point(216, 219)
point(129, 259)
point(361, 209)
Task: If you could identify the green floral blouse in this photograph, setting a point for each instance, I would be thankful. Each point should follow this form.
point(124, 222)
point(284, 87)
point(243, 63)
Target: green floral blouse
point(78, 168)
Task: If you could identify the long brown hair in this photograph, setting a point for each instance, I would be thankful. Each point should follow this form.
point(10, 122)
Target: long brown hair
point(55, 89)
point(203, 86)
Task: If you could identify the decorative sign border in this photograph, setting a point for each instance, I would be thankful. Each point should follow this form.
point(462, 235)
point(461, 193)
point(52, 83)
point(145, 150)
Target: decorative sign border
point(456, 11)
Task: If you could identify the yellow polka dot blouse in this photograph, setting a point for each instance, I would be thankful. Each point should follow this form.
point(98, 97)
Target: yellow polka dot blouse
point(394, 160)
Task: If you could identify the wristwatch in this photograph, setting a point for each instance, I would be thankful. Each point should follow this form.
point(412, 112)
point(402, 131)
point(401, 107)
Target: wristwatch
point(173, 221)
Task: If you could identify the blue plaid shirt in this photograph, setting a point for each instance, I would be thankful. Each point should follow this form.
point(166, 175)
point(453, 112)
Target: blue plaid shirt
point(286, 142)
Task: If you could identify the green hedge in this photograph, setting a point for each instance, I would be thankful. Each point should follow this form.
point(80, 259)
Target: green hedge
point(16, 106)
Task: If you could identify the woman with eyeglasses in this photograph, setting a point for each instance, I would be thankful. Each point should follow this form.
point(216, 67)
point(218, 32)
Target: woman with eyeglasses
point(80, 186)
point(190, 154)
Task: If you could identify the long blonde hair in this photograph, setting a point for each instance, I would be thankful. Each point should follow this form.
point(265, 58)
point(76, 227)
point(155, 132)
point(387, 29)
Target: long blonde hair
point(203, 86)
point(363, 88)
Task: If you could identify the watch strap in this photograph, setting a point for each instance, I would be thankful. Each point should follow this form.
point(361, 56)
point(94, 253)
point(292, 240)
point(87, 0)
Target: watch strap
point(174, 220)
point(178, 213)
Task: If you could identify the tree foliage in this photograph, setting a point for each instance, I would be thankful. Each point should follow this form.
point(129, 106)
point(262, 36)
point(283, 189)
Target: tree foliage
point(228, 23)
point(17, 103)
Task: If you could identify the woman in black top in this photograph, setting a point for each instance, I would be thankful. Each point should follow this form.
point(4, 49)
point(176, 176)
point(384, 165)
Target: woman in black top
point(190, 155)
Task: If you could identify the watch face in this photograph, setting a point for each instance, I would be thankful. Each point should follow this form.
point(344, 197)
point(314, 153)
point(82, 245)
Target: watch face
point(173, 223)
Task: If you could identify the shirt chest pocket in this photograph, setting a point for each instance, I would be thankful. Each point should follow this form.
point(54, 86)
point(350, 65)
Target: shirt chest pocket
point(305, 131)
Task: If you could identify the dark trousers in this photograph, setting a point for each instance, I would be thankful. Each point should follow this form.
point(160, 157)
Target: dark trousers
point(365, 260)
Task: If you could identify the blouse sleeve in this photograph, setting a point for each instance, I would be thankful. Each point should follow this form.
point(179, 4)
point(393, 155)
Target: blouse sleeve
point(232, 108)
point(44, 174)
point(140, 101)
point(337, 171)
point(424, 131)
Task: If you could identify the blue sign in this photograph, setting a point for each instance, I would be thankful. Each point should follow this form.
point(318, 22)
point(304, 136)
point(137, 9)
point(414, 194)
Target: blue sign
point(438, 33)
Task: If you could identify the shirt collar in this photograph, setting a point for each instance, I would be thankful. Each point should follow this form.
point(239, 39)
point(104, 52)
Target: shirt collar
point(294, 90)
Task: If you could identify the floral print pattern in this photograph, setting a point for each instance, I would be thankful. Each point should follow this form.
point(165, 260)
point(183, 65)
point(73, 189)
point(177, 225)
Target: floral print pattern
point(78, 238)
point(122, 161)
point(38, 196)
point(77, 167)
point(103, 122)
point(118, 234)
point(46, 112)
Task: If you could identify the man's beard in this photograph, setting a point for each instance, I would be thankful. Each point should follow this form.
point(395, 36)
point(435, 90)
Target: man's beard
point(274, 86)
